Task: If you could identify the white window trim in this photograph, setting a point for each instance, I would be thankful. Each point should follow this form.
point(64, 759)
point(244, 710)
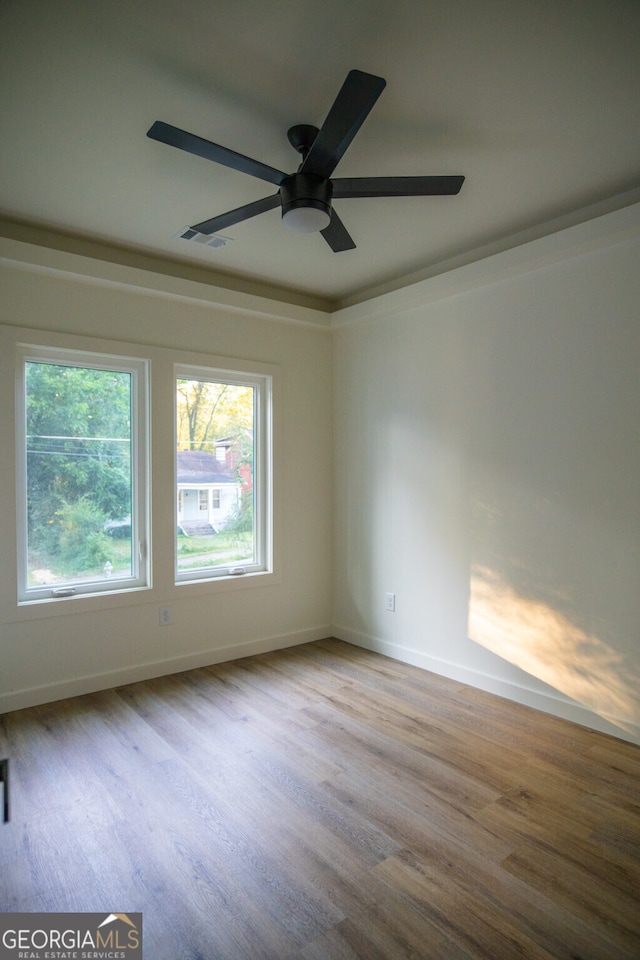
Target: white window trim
point(138, 368)
point(262, 470)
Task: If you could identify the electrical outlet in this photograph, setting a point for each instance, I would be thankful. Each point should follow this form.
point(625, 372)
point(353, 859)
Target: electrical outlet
point(164, 616)
point(390, 602)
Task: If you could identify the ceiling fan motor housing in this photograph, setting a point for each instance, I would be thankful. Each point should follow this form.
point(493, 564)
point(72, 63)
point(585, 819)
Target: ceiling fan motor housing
point(305, 190)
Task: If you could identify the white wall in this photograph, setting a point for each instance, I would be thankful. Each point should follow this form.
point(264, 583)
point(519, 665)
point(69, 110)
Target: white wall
point(53, 651)
point(487, 452)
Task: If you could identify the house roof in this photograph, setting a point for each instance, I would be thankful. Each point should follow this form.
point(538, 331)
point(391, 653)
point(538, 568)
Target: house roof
point(194, 466)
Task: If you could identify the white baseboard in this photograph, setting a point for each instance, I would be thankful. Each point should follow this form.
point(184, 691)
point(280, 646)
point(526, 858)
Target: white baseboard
point(558, 706)
point(33, 696)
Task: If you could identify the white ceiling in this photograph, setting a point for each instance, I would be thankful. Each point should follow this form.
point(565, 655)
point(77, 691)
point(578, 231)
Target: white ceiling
point(536, 102)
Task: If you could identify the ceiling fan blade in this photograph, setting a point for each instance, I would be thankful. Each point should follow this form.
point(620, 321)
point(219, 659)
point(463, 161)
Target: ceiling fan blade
point(336, 235)
point(174, 137)
point(236, 216)
point(357, 96)
point(396, 186)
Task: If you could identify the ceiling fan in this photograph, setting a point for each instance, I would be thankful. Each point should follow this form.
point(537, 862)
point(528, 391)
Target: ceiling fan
point(305, 196)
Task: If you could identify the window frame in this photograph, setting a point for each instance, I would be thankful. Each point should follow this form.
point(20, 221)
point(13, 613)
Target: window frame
point(263, 457)
point(161, 501)
point(139, 370)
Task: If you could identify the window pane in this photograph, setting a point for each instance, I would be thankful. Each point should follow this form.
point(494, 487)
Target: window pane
point(78, 474)
point(216, 512)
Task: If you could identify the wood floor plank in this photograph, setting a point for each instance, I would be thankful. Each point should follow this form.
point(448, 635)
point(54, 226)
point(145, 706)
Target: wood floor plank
point(326, 803)
point(435, 768)
point(470, 859)
point(611, 912)
point(469, 922)
point(533, 819)
point(387, 923)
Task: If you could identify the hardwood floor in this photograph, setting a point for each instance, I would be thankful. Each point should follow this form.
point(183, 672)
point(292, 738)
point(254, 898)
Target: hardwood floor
point(325, 803)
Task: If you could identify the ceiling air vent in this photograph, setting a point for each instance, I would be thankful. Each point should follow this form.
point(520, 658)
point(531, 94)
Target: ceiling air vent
point(214, 240)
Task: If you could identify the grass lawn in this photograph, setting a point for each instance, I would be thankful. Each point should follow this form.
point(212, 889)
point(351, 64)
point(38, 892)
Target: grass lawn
point(193, 552)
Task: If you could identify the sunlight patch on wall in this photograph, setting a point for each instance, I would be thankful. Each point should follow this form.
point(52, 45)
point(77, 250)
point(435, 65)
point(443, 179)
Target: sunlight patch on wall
point(545, 643)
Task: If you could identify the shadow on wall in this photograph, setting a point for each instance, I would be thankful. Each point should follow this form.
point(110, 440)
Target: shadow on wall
point(545, 643)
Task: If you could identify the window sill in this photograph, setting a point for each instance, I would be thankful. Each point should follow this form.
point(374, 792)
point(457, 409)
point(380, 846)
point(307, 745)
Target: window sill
point(133, 597)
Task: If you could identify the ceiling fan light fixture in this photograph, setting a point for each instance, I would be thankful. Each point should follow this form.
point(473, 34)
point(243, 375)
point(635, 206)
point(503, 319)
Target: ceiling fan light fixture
point(306, 202)
point(306, 217)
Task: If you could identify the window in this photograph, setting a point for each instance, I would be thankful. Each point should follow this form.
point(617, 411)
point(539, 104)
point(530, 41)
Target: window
point(82, 491)
point(82, 527)
point(222, 450)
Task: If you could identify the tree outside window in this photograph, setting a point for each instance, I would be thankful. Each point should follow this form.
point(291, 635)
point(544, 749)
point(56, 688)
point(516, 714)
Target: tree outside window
point(80, 472)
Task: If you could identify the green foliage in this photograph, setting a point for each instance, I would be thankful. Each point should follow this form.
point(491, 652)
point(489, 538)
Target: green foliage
point(208, 411)
point(242, 520)
point(83, 546)
point(78, 422)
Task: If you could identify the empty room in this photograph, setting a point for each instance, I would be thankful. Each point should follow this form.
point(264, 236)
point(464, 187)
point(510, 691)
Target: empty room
point(320, 480)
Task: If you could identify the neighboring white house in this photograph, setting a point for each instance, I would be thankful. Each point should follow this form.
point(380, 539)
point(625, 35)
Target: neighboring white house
point(208, 491)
